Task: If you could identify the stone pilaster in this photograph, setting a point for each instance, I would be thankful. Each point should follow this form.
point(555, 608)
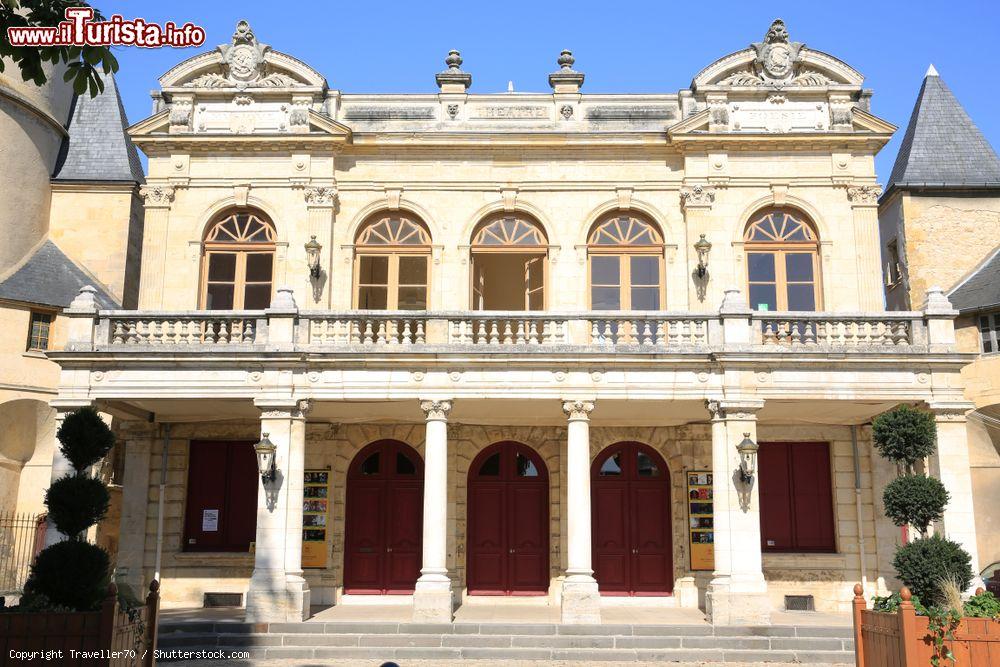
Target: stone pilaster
point(432, 599)
point(278, 592)
point(696, 201)
point(867, 246)
point(950, 464)
point(737, 594)
point(321, 203)
point(581, 601)
point(138, 443)
point(154, 244)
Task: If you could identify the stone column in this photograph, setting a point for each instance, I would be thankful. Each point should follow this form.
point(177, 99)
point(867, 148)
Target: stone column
point(60, 464)
point(135, 502)
point(432, 599)
point(154, 245)
point(950, 464)
point(864, 206)
point(581, 602)
point(737, 594)
point(278, 592)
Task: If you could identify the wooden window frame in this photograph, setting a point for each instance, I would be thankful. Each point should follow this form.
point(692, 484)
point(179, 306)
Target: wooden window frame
point(779, 250)
point(241, 251)
point(534, 251)
point(393, 251)
point(29, 347)
point(624, 252)
point(989, 328)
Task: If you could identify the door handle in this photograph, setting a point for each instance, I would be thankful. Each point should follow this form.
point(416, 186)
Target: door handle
point(511, 551)
point(635, 551)
point(388, 549)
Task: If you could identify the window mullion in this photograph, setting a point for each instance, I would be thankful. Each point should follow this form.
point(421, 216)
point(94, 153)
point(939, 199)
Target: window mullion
point(240, 280)
point(392, 286)
point(625, 280)
point(780, 280)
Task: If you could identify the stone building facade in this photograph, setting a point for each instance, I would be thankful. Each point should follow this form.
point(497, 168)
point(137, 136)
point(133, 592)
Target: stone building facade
point(508, 344)
point(939, 220)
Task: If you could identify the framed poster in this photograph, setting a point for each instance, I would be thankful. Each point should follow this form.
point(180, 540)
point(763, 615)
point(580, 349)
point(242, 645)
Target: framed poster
point(701, 518)
point(315, 517)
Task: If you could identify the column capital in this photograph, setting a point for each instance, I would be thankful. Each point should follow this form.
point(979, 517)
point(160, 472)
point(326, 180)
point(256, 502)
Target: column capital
point(950, 411)
point(435, 409)
point(864, 195)
point(744, 409)
point(578, 410)
point(321, 196)
point(283, 408)
point(64, 406)
point(157, 196)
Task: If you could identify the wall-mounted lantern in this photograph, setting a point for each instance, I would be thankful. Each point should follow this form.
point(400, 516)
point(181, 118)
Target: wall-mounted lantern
point(702, 246)
point(265, 451)
point(748, 458)
point(313, 249)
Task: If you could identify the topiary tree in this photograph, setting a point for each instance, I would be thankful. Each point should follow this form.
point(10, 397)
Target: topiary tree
point(915, 500)
point(923, 564)
point(74, 574)
point(904, 436)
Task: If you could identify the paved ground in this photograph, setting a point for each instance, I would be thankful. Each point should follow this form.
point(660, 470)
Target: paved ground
point(468, 663)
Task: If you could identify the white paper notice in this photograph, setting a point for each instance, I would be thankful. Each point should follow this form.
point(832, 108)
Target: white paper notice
point(209, 521)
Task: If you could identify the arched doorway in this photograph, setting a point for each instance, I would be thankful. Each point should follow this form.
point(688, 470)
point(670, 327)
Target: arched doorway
point(508, 522)
point(384, 510)
point(632, 539)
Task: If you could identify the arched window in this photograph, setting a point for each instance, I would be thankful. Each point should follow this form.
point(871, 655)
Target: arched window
point(508, 263)
point(391, 263)
point(626, 264)
point(238, 265)
point(782, 261)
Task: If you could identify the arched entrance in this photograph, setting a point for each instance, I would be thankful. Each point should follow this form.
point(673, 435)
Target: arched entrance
point(384, 510)
point(633, 544)
point(508, 522)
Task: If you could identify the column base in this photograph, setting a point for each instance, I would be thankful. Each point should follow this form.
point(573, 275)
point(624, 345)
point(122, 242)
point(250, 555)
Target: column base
point(581, 601)
point(277, 599)
point(725, 606)
point(433, 600)
point(686, 593)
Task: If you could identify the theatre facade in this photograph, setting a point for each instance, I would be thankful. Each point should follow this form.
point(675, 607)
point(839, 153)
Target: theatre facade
point(577, 349)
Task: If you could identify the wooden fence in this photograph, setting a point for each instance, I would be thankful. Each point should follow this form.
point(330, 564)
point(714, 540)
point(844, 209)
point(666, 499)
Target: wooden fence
point(903, 639)
point(115, 636)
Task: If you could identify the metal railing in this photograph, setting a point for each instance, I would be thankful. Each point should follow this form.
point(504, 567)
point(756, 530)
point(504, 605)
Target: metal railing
point(22, 536)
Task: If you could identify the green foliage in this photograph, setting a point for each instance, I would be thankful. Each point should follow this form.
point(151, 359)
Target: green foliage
point(923, 563)
point(904, 435)
point(86, 65)
point(85, 438)
point(73, 574)
point(915, 499)
point(941, 624)
point(889, 604)
point(984, 605)
point(76, 502)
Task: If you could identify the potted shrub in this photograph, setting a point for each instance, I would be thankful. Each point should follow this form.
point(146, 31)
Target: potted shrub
point(68, 597)
point(927, 621)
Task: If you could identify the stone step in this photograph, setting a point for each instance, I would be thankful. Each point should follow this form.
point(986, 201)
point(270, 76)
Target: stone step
point(526, 629)
point(494, 653)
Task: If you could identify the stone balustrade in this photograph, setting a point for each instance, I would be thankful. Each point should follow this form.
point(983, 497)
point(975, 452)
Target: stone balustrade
point(495, 331)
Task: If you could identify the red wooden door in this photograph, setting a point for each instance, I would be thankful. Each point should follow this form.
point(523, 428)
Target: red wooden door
point(221, 510)
point(384, 519)
point(796, 497)
point(508, 518)
point(632, 538)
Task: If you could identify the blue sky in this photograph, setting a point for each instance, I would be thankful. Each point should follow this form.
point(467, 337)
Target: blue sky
point(392, 46)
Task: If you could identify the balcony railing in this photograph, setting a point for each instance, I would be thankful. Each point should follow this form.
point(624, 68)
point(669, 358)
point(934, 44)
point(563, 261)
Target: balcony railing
point(733, 328)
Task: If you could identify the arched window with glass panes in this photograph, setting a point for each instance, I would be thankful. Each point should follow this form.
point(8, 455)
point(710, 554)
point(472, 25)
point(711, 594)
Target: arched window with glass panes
point(625, 251)
point(782, 250)
point(238, 261)
point(392, 263)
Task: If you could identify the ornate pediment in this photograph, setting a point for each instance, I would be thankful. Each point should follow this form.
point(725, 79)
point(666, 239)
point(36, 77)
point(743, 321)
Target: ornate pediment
point(244, 63)
point(777, 62)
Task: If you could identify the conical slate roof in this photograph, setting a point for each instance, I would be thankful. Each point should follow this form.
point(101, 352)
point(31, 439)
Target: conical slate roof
point(942, 147)
point(98, 147)
point(50, 278)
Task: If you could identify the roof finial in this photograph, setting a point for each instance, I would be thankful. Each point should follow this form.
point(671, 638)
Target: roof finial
point(453, 79)
point(931, 71)
point(566, 79)
point(510, 86)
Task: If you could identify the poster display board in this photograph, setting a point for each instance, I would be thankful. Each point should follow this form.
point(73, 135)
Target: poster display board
point(315, 517)
point(701, 528)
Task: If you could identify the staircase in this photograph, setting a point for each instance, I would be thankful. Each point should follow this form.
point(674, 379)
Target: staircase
point(495, 641)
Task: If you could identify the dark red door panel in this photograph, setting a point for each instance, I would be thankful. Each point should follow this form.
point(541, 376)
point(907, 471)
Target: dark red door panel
point(508, 522)
point(632, 540)
point(221, 511)
point(773, 466)
point(796, 497)
point(384, 527)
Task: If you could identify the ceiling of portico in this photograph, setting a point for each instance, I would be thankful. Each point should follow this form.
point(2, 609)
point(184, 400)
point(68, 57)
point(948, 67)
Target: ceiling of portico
point(500, 411)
